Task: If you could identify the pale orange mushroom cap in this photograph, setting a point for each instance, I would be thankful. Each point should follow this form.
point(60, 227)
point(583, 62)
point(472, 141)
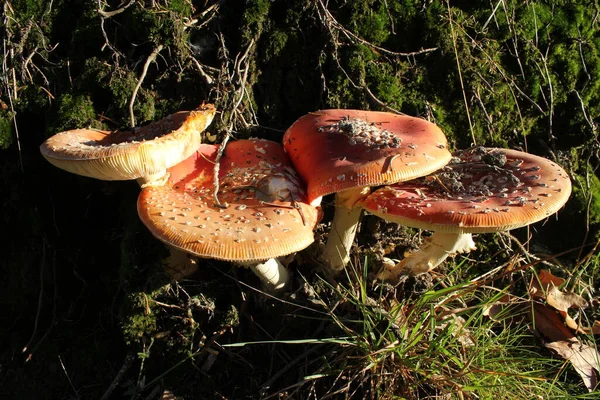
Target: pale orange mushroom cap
point(480, 190)
point(265, 213)
point(336, 150)
point(126, 155)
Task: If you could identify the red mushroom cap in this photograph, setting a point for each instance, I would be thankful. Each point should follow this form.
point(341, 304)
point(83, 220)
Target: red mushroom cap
point(335, 150)
point(265, 213)
point(126, 155)
point(480, 190)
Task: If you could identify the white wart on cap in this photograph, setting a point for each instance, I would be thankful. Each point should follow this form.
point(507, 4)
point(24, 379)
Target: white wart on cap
point(144, 152)
point(480, 190)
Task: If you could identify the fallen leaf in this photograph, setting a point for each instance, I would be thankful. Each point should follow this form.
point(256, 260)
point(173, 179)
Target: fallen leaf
point(545, 286)
point(584, 358)
point(595, 329)
point(507, 307)
point(456, 325)
point(545, 279)
point(548, 323)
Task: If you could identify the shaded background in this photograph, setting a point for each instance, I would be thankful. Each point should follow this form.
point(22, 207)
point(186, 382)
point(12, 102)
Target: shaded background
point(77, 264)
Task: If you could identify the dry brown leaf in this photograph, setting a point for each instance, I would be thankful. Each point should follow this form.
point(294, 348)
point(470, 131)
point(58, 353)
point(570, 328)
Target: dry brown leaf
point(584, 358)
point(458, 330)
point(507, 307)
point(548, 322)
point(595, 329)
point(545, 286)
point(545, 279)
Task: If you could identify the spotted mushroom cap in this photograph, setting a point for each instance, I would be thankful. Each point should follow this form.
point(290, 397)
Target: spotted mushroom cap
point(335, 150)
point(264, 213)
point(131, 154)
point(480, 190)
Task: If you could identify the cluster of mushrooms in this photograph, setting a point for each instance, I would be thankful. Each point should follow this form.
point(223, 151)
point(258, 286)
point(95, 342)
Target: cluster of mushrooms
point(257, 201)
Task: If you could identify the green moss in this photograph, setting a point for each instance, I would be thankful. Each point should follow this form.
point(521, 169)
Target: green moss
point(139, 320)
point(75, 111)
point(122, 88)
point(586, 190)
point(371, 20)
point(254, 19)
point(231, 317)
point(26, 10)
point(181, 7)
point(110, 91)
point(6, 129)
point(276, 43)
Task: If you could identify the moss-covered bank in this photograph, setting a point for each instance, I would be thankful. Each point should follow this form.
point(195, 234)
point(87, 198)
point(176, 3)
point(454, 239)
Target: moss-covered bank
point(80, 270)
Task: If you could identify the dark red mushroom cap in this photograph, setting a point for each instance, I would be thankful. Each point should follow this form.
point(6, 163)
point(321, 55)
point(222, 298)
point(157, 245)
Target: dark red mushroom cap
point(264, 213)
point(480, 190)
point(336, 150)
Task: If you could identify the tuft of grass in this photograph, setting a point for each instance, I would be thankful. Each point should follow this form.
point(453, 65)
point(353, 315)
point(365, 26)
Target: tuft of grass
point(432, 345)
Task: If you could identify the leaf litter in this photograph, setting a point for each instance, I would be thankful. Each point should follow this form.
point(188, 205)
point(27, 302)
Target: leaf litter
point(547, 311)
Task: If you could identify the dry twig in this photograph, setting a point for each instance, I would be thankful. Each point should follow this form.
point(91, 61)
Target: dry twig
point(151, 58)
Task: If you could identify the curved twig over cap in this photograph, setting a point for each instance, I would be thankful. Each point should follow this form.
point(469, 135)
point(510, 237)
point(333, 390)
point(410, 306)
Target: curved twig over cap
point(144, 152)
point(264, 213)
point(480, 190)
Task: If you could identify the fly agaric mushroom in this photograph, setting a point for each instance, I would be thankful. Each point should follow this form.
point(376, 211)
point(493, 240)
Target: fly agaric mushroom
point(347, 151)
point(481, 190)
point(142, 153)
point(259, 212)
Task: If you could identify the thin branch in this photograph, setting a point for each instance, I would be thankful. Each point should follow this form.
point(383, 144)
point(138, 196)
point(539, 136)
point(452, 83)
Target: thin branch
point(115, 382)
point(109, 14)
point(462, 85)
point(525, 251)
point(585, 114)
point(331, 22)
point(11, 94)
point(40, 298)
point(68, 377)
point(216, 169)
point(242, 77)
point(151, 58)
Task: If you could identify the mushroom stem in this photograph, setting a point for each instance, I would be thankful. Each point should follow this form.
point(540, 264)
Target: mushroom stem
point(432, 253)
point(179, 264)
point(336, 253)
point(157, 179)
point(273, 274)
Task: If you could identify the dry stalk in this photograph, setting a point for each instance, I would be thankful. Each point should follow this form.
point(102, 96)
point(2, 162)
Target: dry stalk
point(104, 15)
point(8, 58)
point(333, 25)
point(119, 377)
point(239, 73)
point(462, 84)
point(335, 28)
point(151, 58)
point(109, 14)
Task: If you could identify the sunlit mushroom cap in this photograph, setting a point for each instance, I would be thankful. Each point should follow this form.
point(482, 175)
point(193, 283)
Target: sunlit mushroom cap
point(335, 150)
point(264, 213)
point(125, 155)
point(480, 190)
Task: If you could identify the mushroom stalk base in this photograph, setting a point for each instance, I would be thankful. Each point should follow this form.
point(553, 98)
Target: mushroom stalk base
point(432, 253)
point(273, 274)
point(180, 264)
point(336, 253)
point(158, 179)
